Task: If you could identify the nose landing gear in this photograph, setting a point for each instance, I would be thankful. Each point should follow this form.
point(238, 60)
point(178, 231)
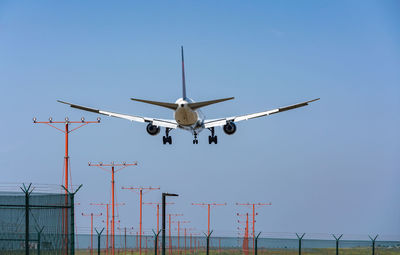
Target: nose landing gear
point(195, 141)
point(212, 138)
point(167, 138)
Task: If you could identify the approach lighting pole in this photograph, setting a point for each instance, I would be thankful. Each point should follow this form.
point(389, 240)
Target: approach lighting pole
point(254, 205)
point(246, 233)
point(113, 171)
point(209, 209)
point(91, 228)
point(179, 229)
point(158, 216)
point(170, 229)
point(164, 195)
point(185, 234)
point(140, 191)
point(107, 218)
point(66, 171)
point(158, 212)
point(124, 229)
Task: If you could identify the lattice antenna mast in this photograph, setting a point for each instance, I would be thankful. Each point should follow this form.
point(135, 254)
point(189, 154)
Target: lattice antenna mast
point(112, 168)
point(139, 190)
point(66, 173)
point(107, 205)
point(208, 205)
point(91, 215)
point(254, 206)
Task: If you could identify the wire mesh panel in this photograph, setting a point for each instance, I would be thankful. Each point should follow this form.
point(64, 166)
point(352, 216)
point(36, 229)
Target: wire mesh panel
point(315, 246)
point(196, 245)
point(276, 246)
point(46, 217)
point(387, 247)
point(351, 247)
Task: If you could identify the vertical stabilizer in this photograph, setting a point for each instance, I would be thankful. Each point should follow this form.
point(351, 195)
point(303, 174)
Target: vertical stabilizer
point(183, 76)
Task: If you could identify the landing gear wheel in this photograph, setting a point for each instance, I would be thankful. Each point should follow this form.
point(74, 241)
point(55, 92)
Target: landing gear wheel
point(167, 139)
point(212, 139)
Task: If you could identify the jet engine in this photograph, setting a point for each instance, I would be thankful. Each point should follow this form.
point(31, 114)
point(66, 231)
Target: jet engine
point(229, 128)
point(152, 129)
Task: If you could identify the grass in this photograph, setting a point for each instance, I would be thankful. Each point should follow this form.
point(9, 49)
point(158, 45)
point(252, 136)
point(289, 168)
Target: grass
point(319, 251)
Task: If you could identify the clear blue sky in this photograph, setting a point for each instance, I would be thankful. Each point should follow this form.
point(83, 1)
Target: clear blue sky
point(332, 167)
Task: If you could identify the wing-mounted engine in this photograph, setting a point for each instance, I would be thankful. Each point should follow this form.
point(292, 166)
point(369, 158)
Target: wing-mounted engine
point(152, 129)
point(229, 128)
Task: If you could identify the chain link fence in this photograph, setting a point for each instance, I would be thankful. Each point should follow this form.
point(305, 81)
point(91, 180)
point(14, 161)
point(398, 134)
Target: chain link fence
point(191, 245)
point(36, 223)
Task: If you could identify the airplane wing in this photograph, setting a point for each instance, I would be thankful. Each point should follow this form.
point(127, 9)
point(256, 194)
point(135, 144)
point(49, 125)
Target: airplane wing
point(154, 121)
point(223, 121)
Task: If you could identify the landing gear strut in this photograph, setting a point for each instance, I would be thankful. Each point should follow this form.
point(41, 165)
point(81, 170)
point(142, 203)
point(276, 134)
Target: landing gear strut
point(212, 138)
point(167, 139)
point(195, 141)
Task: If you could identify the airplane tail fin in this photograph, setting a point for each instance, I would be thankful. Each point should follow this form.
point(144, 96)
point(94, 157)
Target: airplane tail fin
point(183, 76)
point(198, 105)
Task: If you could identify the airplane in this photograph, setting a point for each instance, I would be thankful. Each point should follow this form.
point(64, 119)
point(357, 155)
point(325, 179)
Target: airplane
point(187, 115)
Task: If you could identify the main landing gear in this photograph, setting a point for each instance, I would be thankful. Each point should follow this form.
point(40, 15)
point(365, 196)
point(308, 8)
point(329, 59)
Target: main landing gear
point(212, 138)
point(167, 139)
point(195, 141)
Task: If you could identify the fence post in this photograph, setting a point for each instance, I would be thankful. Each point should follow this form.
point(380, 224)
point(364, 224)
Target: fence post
point(155, 241)
point(255, 244)
point(27, 192)
point(373, 243)
point(72, 201)
point(39, 232)
point(208, 242)
point(300, 239)
point(98, 240)
point(337, 243)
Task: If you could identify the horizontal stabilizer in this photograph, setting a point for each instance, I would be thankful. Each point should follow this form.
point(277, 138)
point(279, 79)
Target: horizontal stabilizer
point(162, 104)
point(197, 105)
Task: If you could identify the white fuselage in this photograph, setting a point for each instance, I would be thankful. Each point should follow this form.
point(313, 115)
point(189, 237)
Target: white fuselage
point(187, 118)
